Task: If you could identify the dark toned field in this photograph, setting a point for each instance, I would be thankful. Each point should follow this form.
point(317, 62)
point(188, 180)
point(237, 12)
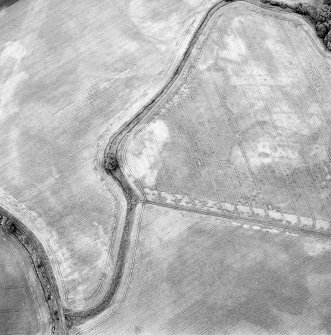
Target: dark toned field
point(248, 119)
point(194, 274)
point(23, 310)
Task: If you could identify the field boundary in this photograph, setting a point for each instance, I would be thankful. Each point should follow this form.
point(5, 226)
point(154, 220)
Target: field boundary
point(231, 210)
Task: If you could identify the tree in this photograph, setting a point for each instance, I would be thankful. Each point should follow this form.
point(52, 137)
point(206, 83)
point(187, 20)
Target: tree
point(320, 16)
point(322, 28)
point(323, 24)
point(327, 40)
point(111, 162)
point(323, 13)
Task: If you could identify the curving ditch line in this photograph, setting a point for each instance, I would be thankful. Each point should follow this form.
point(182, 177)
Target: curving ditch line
point(7, 3)
point(42, 267)
point(113, 169)
point(63, 319)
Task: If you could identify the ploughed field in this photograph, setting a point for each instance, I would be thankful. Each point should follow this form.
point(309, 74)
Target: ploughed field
point(196, 274)
point(246, 122)
point(23, 309)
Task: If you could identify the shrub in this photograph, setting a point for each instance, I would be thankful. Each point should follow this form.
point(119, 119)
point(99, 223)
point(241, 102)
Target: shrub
point(56, 315)
point(9, 227)
point(26, 241)
point(301, 9)
point(39, 264)
point(283, 5)
point(69, 321)
point(327, 40)
point(322, 28)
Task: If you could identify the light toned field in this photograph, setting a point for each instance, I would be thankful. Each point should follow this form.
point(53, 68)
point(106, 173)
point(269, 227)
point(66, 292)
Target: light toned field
point(70, 73)
point(246, 122)
point(23, 310)
point(194, 274)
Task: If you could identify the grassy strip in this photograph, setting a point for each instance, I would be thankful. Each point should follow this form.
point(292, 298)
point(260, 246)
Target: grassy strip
point(77, 317)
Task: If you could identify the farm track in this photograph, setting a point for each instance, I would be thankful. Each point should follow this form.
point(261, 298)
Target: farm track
point(62, 318)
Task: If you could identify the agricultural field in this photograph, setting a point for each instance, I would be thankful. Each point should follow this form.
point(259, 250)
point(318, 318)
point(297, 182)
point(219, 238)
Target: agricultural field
point(70, 73)
point(23, 309)
point(195, 274)
point(247, 121)
point(206, 223)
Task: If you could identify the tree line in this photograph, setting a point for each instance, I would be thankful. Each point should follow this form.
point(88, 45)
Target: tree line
point(319, 15)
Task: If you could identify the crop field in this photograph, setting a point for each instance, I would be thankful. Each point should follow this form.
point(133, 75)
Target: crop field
point(242, 129)
point(247, 121)
point(195, 274)
point(23, 310)
point(70, 72)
